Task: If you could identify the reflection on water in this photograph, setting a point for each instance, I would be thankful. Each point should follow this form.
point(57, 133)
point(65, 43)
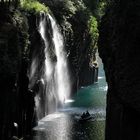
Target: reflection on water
point(56, 127)
point(65, 124)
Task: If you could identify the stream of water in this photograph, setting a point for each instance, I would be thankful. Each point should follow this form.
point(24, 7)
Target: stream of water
point(64, 123)
point(53, 80)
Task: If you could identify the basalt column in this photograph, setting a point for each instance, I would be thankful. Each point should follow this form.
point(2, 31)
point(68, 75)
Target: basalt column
point(119, 48)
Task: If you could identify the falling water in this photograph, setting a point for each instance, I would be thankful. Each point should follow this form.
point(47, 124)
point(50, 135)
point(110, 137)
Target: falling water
point(50, 102)
point(63, 82)
point(55, 78)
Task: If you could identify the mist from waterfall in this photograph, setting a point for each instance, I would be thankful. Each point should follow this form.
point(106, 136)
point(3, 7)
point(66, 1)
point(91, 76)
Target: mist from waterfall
point(54, 81)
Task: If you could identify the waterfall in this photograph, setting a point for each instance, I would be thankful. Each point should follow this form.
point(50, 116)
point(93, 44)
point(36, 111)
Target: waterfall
point(51, 100)
point(54, 82)
point(63, 81)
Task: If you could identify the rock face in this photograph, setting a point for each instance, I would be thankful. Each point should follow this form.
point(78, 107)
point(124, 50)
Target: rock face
point(20, 45)
point(13, 73)
point(119, 49)
point(73, 24)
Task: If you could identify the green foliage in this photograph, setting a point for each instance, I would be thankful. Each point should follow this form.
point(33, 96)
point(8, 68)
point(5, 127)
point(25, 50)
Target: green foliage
point(79, 4)
point(69, 6)
point(85, 13)
point(93, 27)
point(79, 17)
point(101, 8)
point(96, 7)
point(33, 6)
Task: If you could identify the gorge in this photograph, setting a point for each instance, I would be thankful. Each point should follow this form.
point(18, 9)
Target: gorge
point(55, 78)
point(34, 72)
point(48, 55)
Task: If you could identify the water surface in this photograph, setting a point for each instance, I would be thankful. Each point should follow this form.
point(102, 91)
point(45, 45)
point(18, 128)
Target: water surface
point(65, 125)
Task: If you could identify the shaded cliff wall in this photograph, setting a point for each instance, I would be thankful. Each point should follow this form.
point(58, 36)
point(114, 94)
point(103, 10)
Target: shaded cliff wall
point(20, 44)
point(119, 43)
point(73, 17)
point(16, 101)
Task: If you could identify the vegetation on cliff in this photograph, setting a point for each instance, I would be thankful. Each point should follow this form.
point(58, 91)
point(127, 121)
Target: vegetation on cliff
point(84, 14)
point(93, 30)
point(19, 33)
point(79, 21)
point(33, 6)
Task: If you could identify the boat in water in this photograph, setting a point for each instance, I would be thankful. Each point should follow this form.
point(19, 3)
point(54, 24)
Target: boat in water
point(85, 116)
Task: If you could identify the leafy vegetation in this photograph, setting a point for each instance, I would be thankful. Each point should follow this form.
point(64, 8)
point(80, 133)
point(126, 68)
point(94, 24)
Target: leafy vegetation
point(72, 13)
point(101, 8)
point(33, 6)
point(93, 28)
point(96, 11)
point(91, 13)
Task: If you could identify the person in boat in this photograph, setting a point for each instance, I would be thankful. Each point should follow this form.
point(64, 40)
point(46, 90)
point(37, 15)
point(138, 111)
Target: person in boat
point(87, 113)
point(83, 115)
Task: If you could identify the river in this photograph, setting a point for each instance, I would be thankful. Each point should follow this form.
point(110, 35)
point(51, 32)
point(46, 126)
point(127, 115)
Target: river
point(64, 124)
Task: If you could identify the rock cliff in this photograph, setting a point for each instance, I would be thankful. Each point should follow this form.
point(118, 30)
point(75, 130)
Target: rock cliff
point(119, 49)
point(73, 18)
point(21, 44)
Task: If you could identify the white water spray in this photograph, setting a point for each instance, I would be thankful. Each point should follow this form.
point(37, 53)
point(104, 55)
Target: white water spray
point(56, 74)
point(48, 63)
point(63, 81)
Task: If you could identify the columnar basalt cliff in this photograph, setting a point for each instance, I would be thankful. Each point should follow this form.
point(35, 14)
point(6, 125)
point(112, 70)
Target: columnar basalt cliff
point(21, 46)
point(119, 49)
point(13, 71)
point(73, 18)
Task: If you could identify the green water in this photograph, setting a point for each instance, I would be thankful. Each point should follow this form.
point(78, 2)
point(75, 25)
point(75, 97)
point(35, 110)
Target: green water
point(64, 124)
point(90, 96)
point(93, 96)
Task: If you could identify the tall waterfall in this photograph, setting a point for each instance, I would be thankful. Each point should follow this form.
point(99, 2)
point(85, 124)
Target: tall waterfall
point(55, 80)
point(61, 69)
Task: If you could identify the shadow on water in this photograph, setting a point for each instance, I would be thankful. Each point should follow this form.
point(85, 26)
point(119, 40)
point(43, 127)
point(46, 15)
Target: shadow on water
point(65, 124)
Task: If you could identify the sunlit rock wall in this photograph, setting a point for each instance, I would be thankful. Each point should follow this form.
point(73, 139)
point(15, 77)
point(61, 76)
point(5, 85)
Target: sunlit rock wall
point(119, 43)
